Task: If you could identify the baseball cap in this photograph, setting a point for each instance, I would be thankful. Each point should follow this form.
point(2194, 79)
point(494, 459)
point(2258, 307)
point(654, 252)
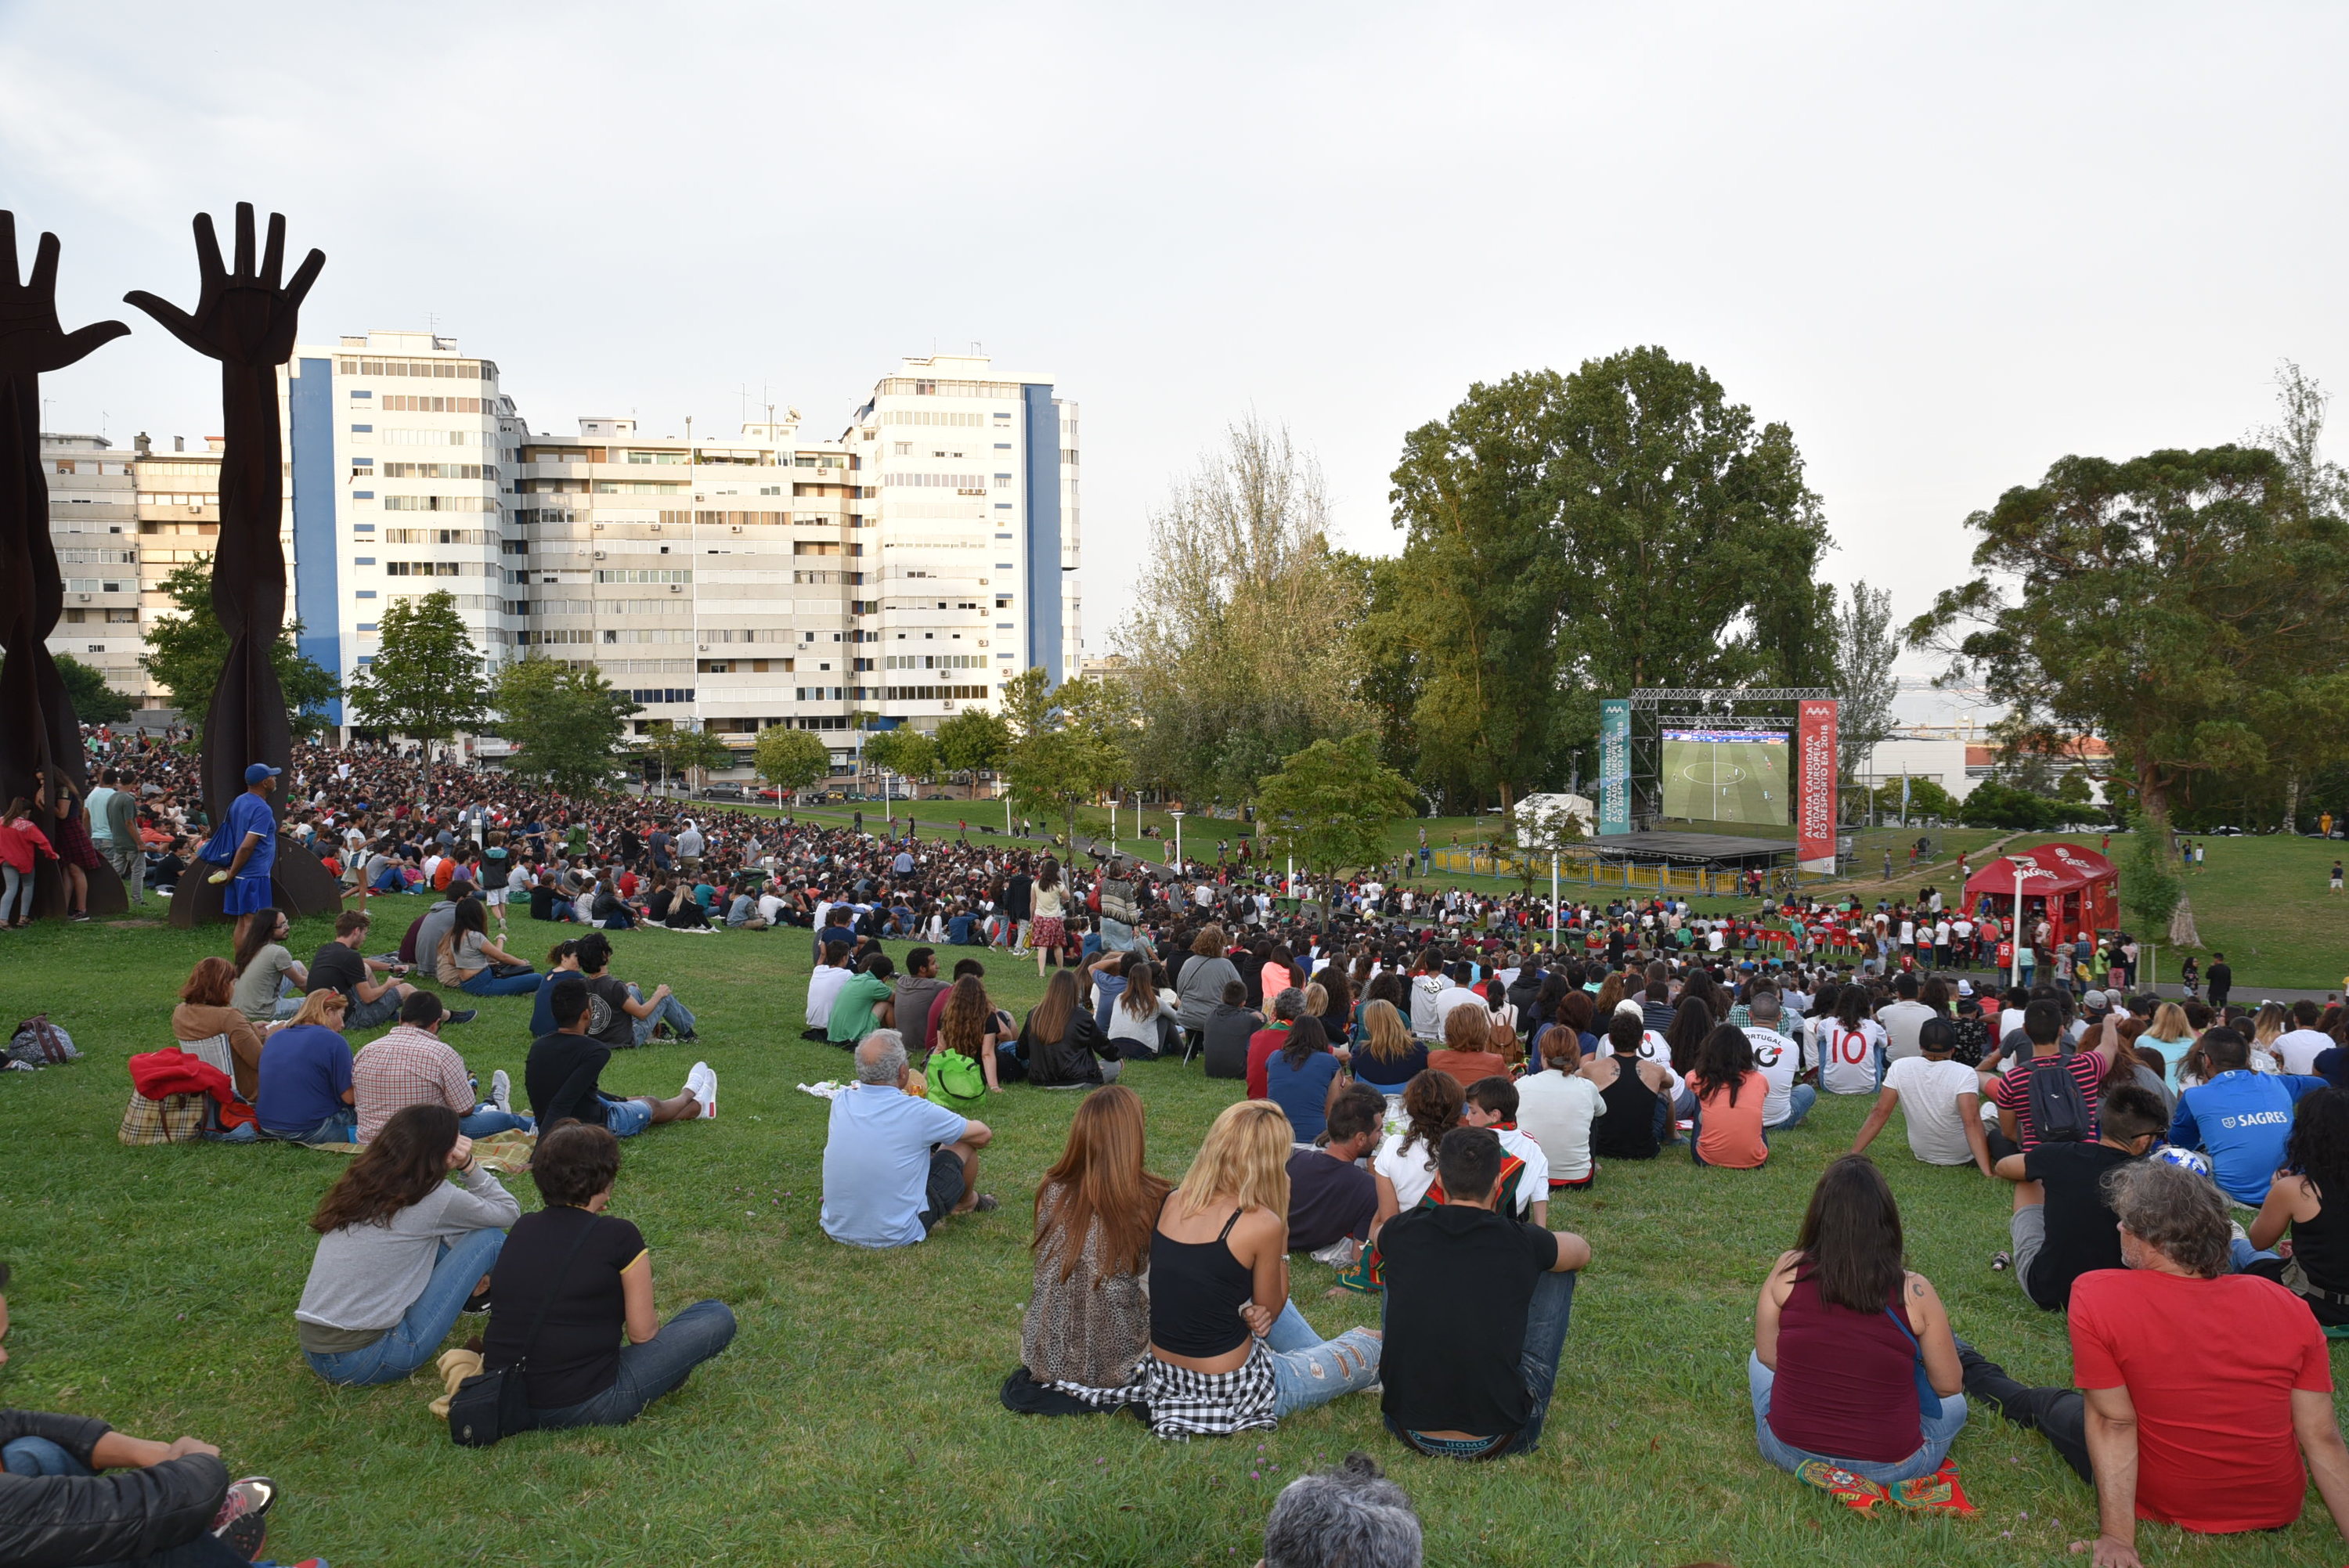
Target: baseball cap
point(2096, 1001)
point(1965, 987)
point(260, 770)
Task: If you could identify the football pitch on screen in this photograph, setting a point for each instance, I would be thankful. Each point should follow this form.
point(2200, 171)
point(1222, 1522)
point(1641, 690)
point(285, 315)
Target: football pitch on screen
point(1726, 780)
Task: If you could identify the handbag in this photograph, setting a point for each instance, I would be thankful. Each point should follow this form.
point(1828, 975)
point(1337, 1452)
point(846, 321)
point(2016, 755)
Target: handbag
point(496, 1403)
point(508, 971)
point(1928, 1402)
point(174, 1118)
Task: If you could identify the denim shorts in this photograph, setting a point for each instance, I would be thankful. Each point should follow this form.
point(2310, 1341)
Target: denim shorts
point(626, 1118)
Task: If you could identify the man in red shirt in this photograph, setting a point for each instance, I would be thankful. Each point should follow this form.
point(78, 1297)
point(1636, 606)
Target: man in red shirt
point(2202, 1393)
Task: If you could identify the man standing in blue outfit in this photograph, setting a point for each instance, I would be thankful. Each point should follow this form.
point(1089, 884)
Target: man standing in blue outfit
point(246, 847)
point(2241, 1119)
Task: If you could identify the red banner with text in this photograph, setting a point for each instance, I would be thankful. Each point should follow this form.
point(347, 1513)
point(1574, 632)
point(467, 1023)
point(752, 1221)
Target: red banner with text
point(1815, 786)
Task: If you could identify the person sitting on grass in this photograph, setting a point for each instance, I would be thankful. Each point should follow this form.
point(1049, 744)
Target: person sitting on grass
point(204, 1013)
point(1492, 1102)
point(1224, 1041)
point(465, 956)
point(1840, 1334)
point(269, 982)
point(1404, 1166)
point(2203, 1396)
point(2315, 1163)
point(1942, 1097)
point(178, 1511)
point(401, 1251)
point(831, 972)
point(894, 1164)
point(1730, 1096)
point(1302, 1076)
point(590, 1274)
point(563, 1076)
point(411, 1064)
point(969, 1026)
point(1061, 1045)
point(1229, 1351)
point(1481, 1395)
point(1636, 1092)
point(1390, 1055)
point(1351, 1515)
point(1088, 1316)
point(2064, 1226)
point(2241, 1118)
point(631, 1017)
point(305, 1090)
point(865, 1002)
point(1331, 1198)
point(1556, 1105)
point(1466, 1053)
point(338, 963)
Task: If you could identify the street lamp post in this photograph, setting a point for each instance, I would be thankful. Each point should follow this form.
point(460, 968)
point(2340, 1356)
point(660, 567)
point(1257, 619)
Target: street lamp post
point(1177, 814)
point(2014, 932)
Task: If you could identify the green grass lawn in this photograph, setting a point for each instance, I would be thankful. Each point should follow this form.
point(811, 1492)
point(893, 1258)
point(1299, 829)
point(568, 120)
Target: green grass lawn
point(854, 1418)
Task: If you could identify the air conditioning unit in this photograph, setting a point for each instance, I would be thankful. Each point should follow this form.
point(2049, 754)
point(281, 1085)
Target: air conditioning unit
point(676, 587)
point(599, 555)
point(735, 527)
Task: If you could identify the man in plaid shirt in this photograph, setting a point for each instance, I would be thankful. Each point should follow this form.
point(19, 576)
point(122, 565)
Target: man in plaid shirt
point(412, 1066)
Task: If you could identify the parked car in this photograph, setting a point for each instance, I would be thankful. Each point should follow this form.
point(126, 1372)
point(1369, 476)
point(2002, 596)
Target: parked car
point(724, 791)
point(936, 796)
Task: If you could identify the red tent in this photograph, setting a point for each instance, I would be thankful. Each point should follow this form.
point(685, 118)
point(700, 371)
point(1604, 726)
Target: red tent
point(2074, 886)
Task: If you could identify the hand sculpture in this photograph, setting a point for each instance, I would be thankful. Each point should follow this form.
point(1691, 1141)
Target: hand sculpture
point(246, 319)
point(241, 318)
point(31, 341)
point(37, 728)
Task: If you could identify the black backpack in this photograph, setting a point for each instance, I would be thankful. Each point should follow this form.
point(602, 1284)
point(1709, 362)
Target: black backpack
point(2060, 1113)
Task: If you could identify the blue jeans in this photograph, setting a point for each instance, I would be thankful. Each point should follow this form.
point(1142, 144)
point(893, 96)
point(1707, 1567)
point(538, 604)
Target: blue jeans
point(651, 1370)
point(488, 1120)
point(1939, 1432)
point(484, 984)
point(624, 1118)
point(1799, 1101)
point(343, 1127)
point(1308, 1371)
point(33, 1457)
point(2244, 1254)
point(1546, 1322)
point(669, 1011)
point(410, 1343)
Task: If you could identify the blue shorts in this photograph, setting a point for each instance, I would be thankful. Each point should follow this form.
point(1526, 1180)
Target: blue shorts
point(626, 1118)
point(245, 893)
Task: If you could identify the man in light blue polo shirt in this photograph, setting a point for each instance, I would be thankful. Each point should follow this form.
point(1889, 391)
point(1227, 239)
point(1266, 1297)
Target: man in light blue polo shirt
point(2241, 1119)
point(895, 1165)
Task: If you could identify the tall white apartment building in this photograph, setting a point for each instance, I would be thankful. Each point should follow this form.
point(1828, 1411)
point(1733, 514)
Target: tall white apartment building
point(971, 535)
point(399, 456)
point(94, 528)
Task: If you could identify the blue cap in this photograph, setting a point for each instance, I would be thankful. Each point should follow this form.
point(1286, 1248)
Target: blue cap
point(260, 770)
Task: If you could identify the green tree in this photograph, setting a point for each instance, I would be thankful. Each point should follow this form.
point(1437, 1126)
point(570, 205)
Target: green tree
point(676, 750)
point(565, 721)
point(2151, 891)
point(94, 701)
point(1573, 536)
point(426, 682)
point(2158, 604)
point(1528, 841)
point(909, 753)
point(1239, 637)
point(1926, 799)
point(185, 652)
point(1068, 744)
point(1865, 648)
point(973, 741)
point(1329, 805)
point(791, 759)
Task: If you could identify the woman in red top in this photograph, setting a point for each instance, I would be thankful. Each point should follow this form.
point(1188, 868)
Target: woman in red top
point(1729, 1098)
point(1840, 1336)
point(21, 839)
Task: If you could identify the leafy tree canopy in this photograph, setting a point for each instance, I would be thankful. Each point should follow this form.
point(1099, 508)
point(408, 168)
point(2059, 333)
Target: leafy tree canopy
point(1329, 805)
point(566, 722)
point(94, 701)
point(426, 682)
point(186, 652)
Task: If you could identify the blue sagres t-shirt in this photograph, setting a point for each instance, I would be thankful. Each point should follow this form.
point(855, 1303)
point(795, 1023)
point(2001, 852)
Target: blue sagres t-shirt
point(305, 1068)
point(2243, 1120)
point(876, 1164)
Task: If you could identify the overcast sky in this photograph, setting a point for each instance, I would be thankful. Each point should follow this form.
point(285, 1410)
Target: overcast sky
point(1947, 245)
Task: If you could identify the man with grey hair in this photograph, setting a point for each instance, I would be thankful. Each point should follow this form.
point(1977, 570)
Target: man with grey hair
point(1779, 1060)
point(894, 1164)
point(1288, 1007)
point(1351, 1515)
point(2200, 1391)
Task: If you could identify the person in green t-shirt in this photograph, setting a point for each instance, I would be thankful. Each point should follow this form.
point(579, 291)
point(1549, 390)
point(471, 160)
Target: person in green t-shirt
point(864, 1003)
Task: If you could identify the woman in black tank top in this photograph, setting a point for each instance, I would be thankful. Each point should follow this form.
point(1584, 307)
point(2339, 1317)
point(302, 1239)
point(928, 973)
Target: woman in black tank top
point(2310, 1202)
point(1199, 1294)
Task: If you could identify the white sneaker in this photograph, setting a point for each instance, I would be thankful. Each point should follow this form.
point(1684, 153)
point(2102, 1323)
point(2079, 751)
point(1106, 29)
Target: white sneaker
point(702, 1085)
point(501, 1092)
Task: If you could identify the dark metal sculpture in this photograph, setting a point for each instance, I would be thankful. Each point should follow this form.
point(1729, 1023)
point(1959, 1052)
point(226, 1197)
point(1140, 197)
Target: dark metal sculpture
point(245, 319)
point(40, 737)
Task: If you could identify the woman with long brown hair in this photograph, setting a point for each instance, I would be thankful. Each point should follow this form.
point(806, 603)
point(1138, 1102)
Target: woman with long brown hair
point(1854, 1363)
point(1088, 1318)
point(264, 968)
point(969, 1024)
point(401, 1251)
point(1061, 1046)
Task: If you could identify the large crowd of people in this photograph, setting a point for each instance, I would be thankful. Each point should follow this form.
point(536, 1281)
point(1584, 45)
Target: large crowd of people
point(1422, 1083)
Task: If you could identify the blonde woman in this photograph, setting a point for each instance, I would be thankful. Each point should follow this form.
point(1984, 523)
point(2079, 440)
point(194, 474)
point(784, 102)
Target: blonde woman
point(305, 1093)
point(2267, 1027)
point(1390, 1055)
point(2172, 1036)
point(1228, 1351)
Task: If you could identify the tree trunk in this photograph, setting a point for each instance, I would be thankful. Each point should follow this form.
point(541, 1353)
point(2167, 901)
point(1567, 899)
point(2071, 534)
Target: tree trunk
point(2182, 932)
point(2292, 801)
point(2153, 801)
